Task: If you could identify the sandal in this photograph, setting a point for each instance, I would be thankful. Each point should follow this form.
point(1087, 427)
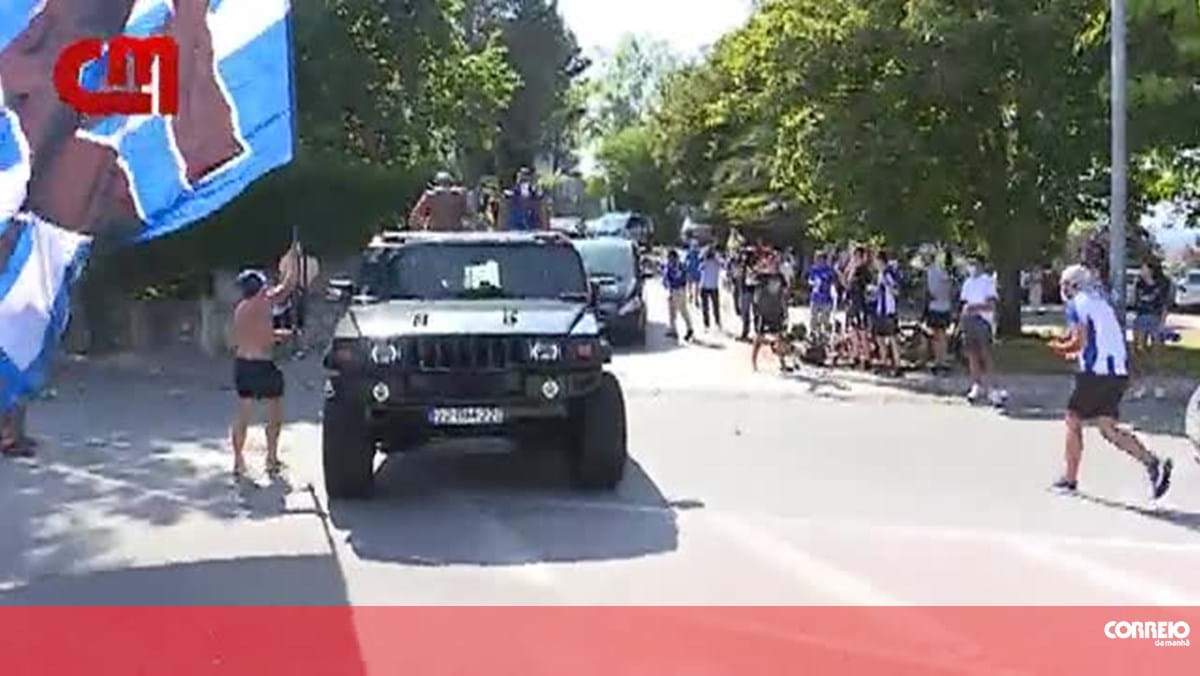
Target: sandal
point(276, 467)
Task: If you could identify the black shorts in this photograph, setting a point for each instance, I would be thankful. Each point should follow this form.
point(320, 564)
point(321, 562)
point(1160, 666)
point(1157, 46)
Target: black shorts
point(772, 325)
point(857, 316)
point(257, 379)
point(938, 321)
point(885, 326)
point(1098, 396)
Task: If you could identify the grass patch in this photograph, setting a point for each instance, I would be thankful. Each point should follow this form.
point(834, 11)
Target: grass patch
point(1031, 354)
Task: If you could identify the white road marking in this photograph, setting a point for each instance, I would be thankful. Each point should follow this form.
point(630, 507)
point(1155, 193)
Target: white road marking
point(807, 568)
point(945, 533)
point(1110, 577)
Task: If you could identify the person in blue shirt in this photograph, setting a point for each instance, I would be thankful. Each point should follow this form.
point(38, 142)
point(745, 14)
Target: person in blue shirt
point(1095, 341)
point(524, 207)
point(692, 262)
point(675, 278)
point(821, 279)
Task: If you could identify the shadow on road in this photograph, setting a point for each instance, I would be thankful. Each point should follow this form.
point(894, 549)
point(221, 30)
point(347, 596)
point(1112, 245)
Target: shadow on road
point(265, 581)
point(156, 607)
point(504, 509)
point(1188, 520)
point(111, 449)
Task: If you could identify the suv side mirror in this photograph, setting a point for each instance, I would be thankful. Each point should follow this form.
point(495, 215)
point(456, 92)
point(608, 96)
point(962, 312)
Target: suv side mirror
point(340, 290)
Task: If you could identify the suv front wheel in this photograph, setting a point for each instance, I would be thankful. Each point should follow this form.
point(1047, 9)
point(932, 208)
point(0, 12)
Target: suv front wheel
point(599, 453)
point(348, 453)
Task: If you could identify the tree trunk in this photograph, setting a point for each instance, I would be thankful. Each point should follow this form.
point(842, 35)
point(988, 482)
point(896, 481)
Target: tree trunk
point(1009, 315)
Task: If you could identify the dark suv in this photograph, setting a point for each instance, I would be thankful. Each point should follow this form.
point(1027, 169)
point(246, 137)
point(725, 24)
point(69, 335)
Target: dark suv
point(469, 335)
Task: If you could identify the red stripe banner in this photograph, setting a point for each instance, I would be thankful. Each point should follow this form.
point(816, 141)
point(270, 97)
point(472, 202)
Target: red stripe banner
point(606, 641)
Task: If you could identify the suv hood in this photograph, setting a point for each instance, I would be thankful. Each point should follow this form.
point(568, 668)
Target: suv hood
point(491, 318)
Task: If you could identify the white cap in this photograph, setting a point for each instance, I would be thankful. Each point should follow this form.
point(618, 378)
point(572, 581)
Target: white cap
point(1077, 276)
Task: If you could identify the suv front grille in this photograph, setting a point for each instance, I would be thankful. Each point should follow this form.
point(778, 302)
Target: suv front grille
point(467, 353)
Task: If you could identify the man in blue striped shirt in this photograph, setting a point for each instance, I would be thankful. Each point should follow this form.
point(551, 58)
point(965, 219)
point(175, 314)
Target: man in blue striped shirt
point(1096, 342)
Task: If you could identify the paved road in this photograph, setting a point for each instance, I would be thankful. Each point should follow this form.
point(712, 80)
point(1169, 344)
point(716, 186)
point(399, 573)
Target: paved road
point(745, 489)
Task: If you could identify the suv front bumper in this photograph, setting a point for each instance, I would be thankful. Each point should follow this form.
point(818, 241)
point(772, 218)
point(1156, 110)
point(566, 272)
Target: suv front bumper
point(411, 396)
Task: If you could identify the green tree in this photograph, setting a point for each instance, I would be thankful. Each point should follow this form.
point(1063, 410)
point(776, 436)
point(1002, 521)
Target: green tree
point(624, 87)
point(633, 178)
point(543, 117)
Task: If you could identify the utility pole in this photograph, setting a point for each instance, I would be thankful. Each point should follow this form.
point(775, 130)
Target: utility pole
point(1120, 159)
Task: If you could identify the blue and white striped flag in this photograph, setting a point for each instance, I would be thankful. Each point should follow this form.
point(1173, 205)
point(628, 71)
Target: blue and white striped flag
point(65, 179)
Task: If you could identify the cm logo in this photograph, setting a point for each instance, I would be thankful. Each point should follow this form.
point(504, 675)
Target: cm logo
point(155, 68)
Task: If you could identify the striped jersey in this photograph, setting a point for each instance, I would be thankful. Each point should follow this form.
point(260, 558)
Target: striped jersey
point(1104, 351)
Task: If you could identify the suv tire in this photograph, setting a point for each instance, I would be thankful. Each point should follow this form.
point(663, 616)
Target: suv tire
point(347, 453)
point(599, 454)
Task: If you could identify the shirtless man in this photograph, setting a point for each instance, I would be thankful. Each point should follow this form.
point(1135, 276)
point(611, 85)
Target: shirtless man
point(255, 375)
point(442, 208)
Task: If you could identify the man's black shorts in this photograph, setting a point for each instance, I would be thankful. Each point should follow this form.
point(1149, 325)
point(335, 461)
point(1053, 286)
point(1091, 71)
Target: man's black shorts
point(1098, 396)
point(857, 316)
point(938, 321)
point(771, 326)
point(885, 326)
point(257, 379)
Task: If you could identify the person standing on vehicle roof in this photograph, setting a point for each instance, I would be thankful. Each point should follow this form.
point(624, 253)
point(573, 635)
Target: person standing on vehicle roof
point(525, 207)
point(442, 208)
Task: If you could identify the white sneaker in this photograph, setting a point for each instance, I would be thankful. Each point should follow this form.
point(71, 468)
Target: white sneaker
point(975, 393)
point(998, 398)
point(1160, 393)
point(1138, 392)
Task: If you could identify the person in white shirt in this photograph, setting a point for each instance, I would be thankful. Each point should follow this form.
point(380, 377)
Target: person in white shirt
point(1096, 342)
point(978, 325)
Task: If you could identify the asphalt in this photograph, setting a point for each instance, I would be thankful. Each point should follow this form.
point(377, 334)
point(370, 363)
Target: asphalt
point(743, 489)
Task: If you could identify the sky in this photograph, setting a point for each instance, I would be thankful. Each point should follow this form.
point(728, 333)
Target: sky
point(687, 25)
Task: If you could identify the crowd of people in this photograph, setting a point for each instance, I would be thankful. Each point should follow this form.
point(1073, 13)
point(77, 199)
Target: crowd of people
point(855, 296)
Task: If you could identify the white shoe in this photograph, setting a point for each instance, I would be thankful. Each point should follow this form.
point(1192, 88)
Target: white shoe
point(998, 398)
point(975, 393)
point(1138, 392)
point(1160, 393)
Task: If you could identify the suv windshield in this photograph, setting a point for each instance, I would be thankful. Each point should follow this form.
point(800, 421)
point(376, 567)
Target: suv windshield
point(608, 261)
point(474, 271)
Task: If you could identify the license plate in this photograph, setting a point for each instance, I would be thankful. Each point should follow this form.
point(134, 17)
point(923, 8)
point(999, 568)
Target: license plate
point(466, 417)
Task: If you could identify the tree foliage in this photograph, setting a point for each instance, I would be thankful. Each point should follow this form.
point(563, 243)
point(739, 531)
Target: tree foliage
point(975, 121)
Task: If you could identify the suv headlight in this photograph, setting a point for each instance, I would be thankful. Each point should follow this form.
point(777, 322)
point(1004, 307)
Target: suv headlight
point(384, 354)
point(545, 351)
point(346, 355)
